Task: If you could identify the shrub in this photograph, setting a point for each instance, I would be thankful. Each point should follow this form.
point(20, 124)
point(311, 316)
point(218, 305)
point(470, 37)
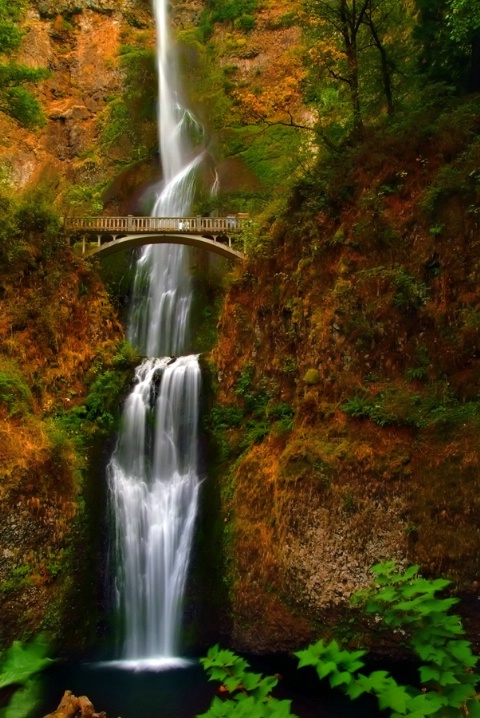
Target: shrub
point(39, 223)
point(245, 23)
point(402, 602)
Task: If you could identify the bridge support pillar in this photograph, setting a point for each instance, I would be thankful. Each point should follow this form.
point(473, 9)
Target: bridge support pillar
point(99, 240)
point(84, 244)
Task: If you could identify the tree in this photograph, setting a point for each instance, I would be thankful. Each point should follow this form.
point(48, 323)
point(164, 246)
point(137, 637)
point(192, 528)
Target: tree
point(337, 31)
point(463, 20)
point(16, 100)
point(360, 45)
point(448, 33)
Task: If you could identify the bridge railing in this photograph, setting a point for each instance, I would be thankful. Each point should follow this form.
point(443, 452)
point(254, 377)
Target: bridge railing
point(134, 225)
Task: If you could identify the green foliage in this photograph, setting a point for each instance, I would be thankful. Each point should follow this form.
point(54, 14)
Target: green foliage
point(18, 102)
point(255, 243)
point(129, 123)
point(238, 12)
point(250, 692)
point(409, 293)
point(406, 600)
point(245, 22)
point(399, 601)
point(254, 395)
point(30, 230)
point(235, 428)
point(444, 31)
point(463, 20)
point(39, 223)
point(397, 406)
point(100, 412)
point(254, 431)
point(283, 415)
point(19, 669)
point(126, 356)
point(244, 381)
point(61, 446)
point(422, 364)
point(11, 248)
point(354, 48)
point(14, 391)
point(100, 407)
point(15, 99)
point(451, 180)
point(104, 389)
point(85, 199)
point(10, 35)
point(227, 417)
point(138, 64)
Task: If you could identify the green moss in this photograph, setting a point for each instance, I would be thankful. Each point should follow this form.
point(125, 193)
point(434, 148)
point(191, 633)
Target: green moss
point(306, 459)
point(311, 376)
point(14, 391)
point(19, 580)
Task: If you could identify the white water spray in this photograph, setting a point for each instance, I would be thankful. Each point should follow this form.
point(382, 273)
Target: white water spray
point(153, 472)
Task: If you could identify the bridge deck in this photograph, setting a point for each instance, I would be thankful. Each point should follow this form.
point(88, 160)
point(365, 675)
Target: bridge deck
point(115, 234)
point(150, 225)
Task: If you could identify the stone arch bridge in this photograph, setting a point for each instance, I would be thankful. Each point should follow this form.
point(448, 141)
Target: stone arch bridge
point(107, 235)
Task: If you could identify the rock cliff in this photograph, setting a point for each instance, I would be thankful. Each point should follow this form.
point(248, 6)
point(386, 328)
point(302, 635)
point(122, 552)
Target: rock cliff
point(347, 365)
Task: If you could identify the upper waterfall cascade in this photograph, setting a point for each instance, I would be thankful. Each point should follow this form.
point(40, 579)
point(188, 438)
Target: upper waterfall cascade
point(153, 473)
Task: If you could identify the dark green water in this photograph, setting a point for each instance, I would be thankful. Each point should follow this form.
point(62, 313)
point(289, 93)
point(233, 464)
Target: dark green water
point(185, 692)
point(176, 693)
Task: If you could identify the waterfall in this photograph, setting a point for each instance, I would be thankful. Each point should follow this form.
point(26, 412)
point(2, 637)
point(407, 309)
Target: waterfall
point(153, 474)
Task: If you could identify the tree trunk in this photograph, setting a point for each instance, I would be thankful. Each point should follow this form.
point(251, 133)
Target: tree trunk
point(352, 60)
point(386, 68)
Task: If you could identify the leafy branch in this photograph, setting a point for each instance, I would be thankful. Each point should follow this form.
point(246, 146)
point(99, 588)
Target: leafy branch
point(250, 692)
point(398, 600)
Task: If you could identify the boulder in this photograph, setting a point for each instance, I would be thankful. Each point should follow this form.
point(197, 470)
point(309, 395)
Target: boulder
point(72, 707)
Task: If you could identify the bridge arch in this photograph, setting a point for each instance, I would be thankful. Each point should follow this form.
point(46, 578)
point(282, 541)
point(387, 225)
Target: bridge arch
point(137, 240)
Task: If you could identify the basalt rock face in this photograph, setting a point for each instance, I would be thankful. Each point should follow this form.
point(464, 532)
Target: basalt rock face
point(58, 336)
point(79, 43)
point(50, 9)
point(347, 406)
point(58, 329)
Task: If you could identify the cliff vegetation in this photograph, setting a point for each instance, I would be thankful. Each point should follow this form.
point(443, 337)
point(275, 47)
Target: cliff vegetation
point(347, 408)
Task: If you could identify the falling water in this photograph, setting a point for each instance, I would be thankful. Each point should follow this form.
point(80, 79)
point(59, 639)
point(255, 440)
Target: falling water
point(153, 473)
